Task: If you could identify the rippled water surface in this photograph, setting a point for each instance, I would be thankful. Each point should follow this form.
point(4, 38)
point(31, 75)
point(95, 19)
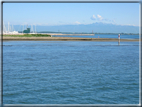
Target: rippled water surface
point(70, 72)
point(101, 36)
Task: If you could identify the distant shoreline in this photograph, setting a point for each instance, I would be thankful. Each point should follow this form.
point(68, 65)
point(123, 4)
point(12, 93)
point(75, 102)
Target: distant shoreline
point(62, 33)
point(62, 39)
point(47, 34)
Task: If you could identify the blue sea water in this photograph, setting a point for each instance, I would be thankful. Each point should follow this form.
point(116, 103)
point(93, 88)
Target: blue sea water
point(70, 72)
point(101, 36)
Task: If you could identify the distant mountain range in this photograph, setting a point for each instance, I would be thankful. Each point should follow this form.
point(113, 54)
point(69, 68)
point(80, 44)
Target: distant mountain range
point(81, 28)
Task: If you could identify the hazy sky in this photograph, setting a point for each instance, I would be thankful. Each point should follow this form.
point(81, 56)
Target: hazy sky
point(71, 13)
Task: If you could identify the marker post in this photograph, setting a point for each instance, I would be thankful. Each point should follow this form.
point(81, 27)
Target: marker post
point(118, 39)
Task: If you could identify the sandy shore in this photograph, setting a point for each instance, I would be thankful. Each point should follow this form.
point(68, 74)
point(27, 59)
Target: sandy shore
point(62, 39)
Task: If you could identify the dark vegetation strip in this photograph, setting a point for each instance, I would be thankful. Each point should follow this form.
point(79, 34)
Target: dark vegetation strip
point(28, 35)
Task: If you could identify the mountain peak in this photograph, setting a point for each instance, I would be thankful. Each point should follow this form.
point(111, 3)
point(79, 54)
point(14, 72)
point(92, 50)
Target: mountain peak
point(88, 28)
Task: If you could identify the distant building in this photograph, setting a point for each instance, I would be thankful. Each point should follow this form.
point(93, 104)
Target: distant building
point(27, 31)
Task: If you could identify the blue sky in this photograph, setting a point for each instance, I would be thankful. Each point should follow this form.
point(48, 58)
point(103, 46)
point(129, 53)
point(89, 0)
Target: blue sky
point(71, 13)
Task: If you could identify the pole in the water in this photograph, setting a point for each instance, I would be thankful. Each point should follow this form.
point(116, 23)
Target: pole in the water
point(118, 39)
point(118, 36)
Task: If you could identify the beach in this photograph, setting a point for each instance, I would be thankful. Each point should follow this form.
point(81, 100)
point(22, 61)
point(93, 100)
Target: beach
point(62, 39)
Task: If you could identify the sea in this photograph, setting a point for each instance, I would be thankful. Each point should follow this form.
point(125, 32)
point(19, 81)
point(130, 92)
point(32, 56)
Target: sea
point(71, 72)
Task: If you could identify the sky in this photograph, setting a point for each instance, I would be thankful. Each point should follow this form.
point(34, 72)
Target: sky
point(51, 14)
